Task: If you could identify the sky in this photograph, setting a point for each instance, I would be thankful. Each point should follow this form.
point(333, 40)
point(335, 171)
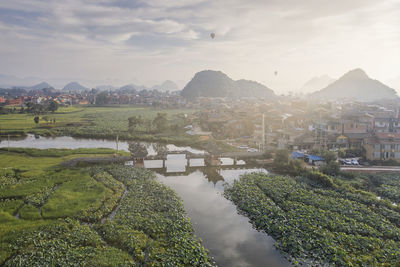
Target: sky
point(146, 42)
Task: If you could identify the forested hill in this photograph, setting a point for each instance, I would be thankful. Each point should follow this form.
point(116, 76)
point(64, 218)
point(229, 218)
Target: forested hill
point(209, 83)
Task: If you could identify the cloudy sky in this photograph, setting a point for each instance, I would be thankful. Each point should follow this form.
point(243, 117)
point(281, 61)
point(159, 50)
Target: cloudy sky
point(146, 42)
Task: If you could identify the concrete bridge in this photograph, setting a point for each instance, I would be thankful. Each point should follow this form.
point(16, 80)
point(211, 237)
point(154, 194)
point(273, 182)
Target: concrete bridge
point(189, 155)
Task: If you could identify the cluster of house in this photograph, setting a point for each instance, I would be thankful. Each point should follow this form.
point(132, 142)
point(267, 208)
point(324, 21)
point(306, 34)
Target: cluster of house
point(373, 129)
point(20, 97)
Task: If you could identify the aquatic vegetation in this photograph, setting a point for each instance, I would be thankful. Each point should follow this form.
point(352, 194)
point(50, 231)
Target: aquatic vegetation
point(100, 216)
point(319, 222)
point(65, 243)
point(386, 186)
point(151, 223)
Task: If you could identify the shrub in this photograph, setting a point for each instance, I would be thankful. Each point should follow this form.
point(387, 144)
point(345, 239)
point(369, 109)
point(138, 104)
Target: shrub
point(321, 178)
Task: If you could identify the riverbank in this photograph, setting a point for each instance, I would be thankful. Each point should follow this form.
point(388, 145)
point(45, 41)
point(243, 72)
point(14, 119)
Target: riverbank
point(104, 123)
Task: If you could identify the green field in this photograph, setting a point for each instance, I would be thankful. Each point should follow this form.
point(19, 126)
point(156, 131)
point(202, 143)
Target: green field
point(95, 122)
point(55, 216)
point(107, 123)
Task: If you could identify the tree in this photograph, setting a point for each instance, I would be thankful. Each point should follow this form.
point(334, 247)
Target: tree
point(329, 156)
point(137, 150)
point(102, 98)
point(175, 128)
point(46, 119)
point(160, 122)
point(148, 124)
point(332, 168)
point(281, 158)
point(134, 122)
point(36, 120)
point(53, 106)
point(161, 149)
point(282, 163)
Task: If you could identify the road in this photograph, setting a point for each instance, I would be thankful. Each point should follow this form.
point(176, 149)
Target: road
point(371, 168)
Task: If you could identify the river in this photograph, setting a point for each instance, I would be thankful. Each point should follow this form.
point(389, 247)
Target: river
point(230, 238)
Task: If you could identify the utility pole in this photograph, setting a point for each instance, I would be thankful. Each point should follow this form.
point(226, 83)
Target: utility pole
point(117, 143)
point(8, 142)
point(263, 132)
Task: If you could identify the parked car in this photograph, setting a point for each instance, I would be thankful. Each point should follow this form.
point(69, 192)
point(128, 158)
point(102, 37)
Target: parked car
point(348, 162)
point(252, 150)
point(243, 147)
point(354, 162)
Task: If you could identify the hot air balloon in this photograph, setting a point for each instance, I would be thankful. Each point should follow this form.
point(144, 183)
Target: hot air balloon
point(212, 35)
point(276, 73)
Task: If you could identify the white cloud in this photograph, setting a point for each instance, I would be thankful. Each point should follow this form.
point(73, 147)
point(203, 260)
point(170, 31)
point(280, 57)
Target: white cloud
point(170, 40)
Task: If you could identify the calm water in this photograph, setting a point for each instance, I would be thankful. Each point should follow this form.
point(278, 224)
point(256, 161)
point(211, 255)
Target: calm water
point(230, 238)
point(70, 142)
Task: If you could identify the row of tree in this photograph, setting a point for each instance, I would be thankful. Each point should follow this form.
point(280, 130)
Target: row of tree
point(50, 106)
point(158, 125)
point(36, 119)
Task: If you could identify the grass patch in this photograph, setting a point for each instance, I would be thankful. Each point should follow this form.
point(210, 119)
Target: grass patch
point(74, 196)
point(29, 212)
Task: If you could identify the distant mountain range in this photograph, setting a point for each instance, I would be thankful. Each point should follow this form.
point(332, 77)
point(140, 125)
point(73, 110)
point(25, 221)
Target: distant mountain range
point(11, 81)
point(355, 85)
point(316, 84)
point(106, 88)
point(209, 83)
point(74, 87)
point(42, 85)
point(166, 86)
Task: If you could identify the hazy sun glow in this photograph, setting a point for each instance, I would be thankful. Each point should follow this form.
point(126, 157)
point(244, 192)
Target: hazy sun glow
point(145, 42)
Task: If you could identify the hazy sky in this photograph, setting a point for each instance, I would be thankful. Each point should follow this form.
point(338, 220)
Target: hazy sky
point(122, 41)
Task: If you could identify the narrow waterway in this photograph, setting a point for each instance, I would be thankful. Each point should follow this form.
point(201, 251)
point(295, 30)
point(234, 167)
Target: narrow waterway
point(230, 238)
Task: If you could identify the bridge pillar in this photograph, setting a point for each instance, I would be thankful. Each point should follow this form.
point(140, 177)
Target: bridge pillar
point(138, 162)
point(212, 160)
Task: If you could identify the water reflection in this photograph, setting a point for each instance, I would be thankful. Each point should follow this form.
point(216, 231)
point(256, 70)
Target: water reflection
point(41, 142)
point(231, 239)
point(176, 163)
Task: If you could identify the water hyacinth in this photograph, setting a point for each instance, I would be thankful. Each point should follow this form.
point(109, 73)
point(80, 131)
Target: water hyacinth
point(319, 225)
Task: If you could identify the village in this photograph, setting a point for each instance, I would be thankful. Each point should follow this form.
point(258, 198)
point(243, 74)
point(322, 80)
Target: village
point(359, 132)
point(367, 133)
point(20, 97)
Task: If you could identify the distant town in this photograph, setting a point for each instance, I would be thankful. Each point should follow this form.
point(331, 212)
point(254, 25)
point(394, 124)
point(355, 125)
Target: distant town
point(366, 130)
